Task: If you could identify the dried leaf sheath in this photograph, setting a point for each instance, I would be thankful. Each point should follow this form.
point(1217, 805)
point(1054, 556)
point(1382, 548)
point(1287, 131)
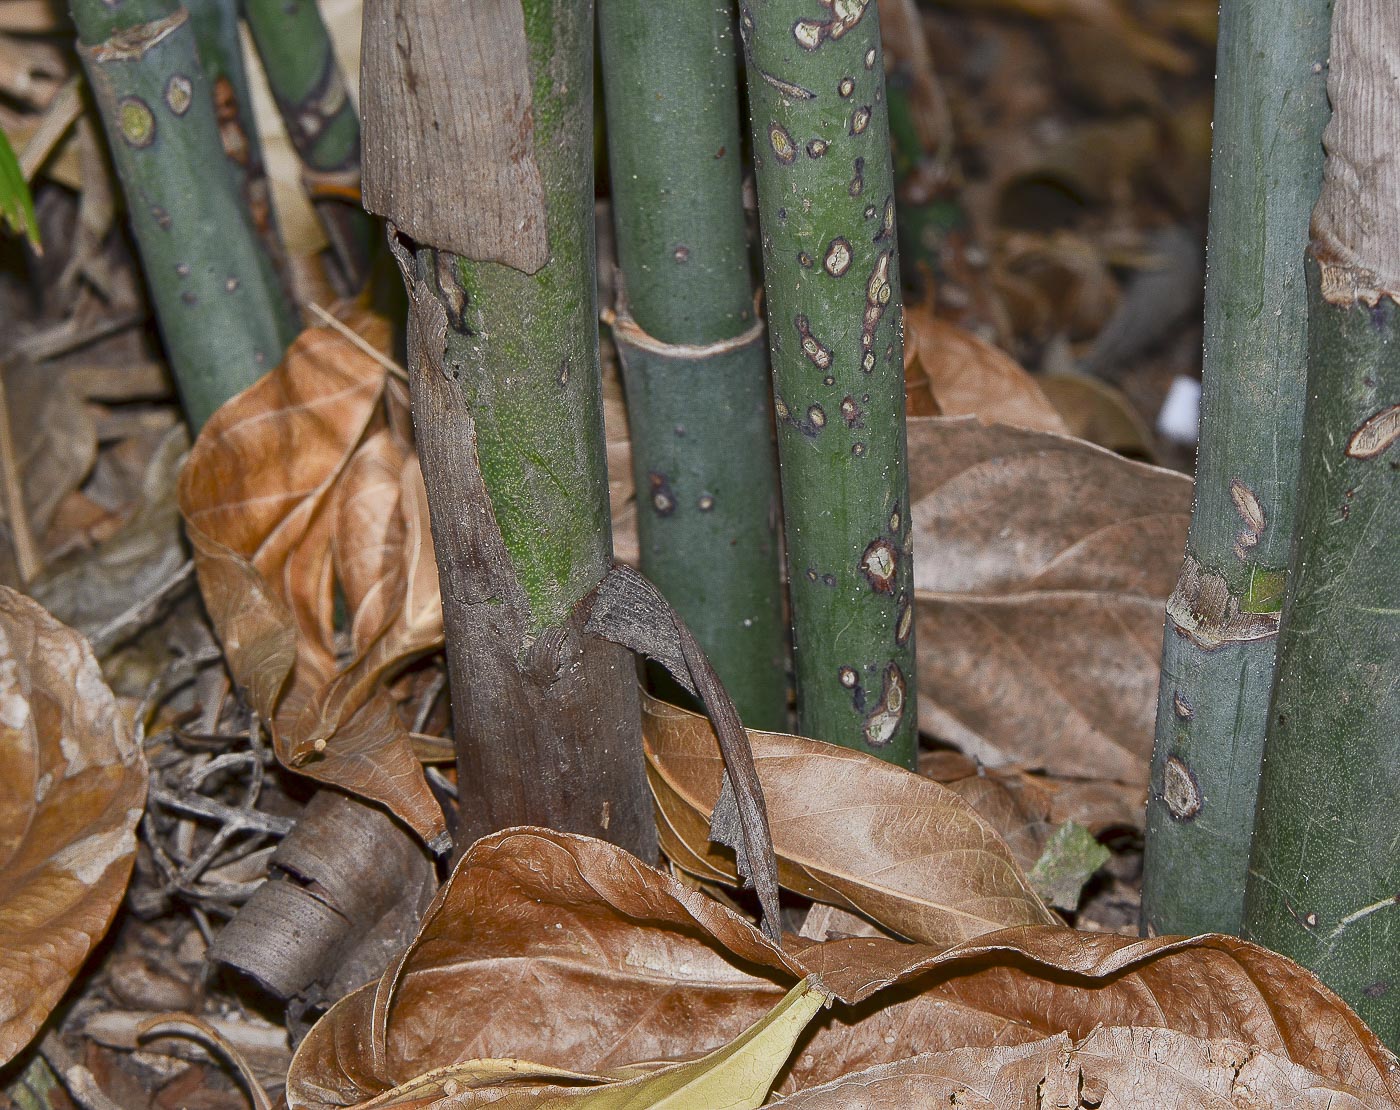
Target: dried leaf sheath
point(1222, 618)
point(217, 297)
point(831, 274)
point(508, 404)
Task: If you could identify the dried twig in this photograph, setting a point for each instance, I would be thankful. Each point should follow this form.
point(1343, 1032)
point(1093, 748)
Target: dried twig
point(58, 117)
point(358, 341)
point(49, 343)
point(127, 624)
point(27, 557)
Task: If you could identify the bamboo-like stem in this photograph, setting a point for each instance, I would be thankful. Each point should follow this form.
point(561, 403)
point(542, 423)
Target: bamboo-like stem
point(694, 362)
point(217, 297)
point(305, 78)
point(1222, 619)
point(1324, 880)
point(507, 404)
point(831, 272)
point(216, 35)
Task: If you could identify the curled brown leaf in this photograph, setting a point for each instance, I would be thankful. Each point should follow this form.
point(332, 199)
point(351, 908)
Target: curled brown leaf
point(300, 483)
point(949, 371)
point(72, 788)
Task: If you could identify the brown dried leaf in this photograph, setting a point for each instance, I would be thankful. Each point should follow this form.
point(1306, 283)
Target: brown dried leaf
point(1111, 1068)
point(529, 919)
point(72, 787)
point(399, 612)
point(1042, 564)
point(1021, 817)
point(1115, 16)
point(536, 928)
point(297, 483)
point(951, 372)
point(847, 828)
point(1098, 412)
point(735, 1076)
point(1024, 807)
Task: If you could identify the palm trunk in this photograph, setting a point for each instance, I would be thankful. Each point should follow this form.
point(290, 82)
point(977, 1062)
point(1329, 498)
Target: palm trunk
point(693, 357)
point(1222, 619)
point(306, 81)
point(1324, 883)
point(217, 297)
point(507, 398)
point(831, 272)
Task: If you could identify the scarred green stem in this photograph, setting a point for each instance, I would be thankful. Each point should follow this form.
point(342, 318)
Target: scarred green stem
point(1324, 887)
point(1222, 619)
point(507, 405)
point(217, 297)
point(295, 49)
point(826, 207)
point(693, 356)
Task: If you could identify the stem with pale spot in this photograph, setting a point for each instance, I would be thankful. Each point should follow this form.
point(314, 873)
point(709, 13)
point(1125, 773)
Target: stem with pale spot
point(1222, 619)
point(1324, 882)
point(835, 326)
point(217, 297)
point(693, 356)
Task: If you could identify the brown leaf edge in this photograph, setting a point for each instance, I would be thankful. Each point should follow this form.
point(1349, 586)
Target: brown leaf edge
point(1123, 1066)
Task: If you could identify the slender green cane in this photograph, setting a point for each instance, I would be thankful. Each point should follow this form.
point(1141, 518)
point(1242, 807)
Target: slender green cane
point(831, 272)
point(693, 357)
point(306, 81)
point(1324, 880)
point(1222, 619)
point(215, 25)
point(217, 297)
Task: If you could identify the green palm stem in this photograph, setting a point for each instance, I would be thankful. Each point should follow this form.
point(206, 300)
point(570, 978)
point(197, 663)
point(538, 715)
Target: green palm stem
point(507, 404)
point(306, 81)
point(1222, 618)
point(831, 275)
point(1324, 879)
point(220, 47)
point(694, 360)
point(217, 297)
